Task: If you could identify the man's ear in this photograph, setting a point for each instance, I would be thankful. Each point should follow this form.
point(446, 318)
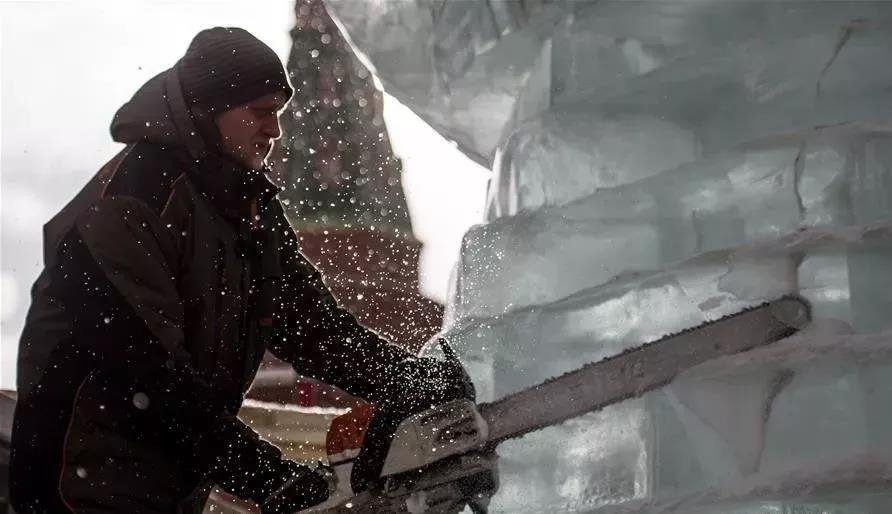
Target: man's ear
point(206, 123)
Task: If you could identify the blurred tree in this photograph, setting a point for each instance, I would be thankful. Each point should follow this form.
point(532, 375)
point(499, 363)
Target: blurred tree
point(344, 196)
point(340, 165)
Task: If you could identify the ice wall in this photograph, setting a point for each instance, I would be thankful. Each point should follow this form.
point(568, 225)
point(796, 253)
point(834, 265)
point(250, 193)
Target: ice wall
point(506, 79)
point(824, 177)
point(802, 427)
point(841, 271)
point(657, 165)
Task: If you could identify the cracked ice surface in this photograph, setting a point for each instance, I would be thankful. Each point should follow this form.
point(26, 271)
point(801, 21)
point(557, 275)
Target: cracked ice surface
point(513, 80)
point(465, 67)
point(781, 67)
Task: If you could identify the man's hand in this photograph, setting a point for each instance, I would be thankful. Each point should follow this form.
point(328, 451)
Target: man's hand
point(304, 488)
point(420, 383)
point(423, 383)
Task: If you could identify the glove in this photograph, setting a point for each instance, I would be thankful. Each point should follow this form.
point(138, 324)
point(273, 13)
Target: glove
point(417, 385)
point(248, 467)
point(304, 488)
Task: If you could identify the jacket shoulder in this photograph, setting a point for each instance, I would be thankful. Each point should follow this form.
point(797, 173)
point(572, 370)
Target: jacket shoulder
point(150, 173)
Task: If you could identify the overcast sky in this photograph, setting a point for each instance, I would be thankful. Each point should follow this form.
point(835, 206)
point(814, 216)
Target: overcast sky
point(67, 65)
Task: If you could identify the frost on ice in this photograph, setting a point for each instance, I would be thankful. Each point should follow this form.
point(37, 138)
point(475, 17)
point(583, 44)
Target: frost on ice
point(656, 165)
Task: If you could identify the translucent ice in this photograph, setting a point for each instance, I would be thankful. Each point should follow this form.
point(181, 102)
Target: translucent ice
point(656, 165)
point(563, 156)
point(577, 96)
point(597, 459)
point(816, 398)
point(835, 176)
point(768, 417)
point(466, 68)
point(801, 426)
point(840, 271)
point(759, 418)
point(477, 69)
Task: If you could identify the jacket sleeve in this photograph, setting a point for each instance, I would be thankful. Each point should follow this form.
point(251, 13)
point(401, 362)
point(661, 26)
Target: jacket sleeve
point(115, 271)
point(322, 340)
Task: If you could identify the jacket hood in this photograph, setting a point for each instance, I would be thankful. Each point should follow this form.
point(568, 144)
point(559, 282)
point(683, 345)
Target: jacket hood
point(158, 113)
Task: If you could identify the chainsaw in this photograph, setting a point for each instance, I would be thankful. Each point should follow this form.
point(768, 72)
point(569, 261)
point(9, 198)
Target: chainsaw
point(443, 459)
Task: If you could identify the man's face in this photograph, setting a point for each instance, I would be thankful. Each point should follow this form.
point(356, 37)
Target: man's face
point(248, 130)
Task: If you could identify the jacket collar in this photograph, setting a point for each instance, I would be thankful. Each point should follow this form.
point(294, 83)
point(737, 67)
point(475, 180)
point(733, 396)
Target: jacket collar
point(230, 187)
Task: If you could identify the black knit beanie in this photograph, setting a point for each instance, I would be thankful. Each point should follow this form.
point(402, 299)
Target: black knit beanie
point(227, 66)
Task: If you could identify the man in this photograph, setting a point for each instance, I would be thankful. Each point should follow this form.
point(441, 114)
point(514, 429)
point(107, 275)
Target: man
point(166, 279)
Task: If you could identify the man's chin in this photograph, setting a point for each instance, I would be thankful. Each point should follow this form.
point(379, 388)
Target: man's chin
point(255, 162)
point(261, 161)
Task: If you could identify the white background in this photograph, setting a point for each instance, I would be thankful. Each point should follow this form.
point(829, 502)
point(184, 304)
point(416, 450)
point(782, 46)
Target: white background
point(67, 65)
